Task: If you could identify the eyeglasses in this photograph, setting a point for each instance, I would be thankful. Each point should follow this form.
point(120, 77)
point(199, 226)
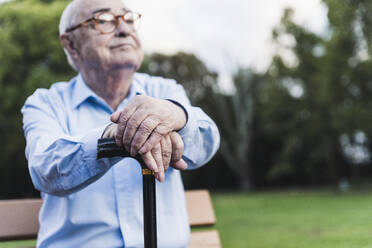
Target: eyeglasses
point(107, 22)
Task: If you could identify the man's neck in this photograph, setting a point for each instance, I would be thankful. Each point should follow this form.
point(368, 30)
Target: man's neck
point(113, 86)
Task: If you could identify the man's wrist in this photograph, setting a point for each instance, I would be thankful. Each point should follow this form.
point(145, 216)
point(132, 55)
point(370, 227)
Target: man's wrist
point(181, 122)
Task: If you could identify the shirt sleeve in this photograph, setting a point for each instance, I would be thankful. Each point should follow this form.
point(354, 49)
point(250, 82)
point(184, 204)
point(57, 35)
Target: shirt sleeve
point(200, 134)
point(59, 163)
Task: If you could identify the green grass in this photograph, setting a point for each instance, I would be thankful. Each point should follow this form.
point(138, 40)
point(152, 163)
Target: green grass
point(294, 220)
point(285, 220)
point(18, 244)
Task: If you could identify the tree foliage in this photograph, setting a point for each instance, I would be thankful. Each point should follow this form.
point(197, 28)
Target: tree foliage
point(187, 70)
point(31, 57)
point(234, 115)
point(318, 96)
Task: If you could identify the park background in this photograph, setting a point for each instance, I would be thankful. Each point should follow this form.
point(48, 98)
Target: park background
point(289, 88)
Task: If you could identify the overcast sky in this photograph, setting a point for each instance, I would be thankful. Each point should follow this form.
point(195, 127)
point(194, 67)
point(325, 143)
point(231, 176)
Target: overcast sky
point(223, 33)
point(238, 30)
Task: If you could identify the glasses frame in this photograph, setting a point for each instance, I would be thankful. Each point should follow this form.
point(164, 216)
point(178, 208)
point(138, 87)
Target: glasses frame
point(96, 20)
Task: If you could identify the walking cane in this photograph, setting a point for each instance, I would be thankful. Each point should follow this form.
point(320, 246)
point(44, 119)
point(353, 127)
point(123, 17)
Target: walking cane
point(107, 148)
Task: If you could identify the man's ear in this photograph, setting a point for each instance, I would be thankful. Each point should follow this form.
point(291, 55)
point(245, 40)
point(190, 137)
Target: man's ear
point(69, 44)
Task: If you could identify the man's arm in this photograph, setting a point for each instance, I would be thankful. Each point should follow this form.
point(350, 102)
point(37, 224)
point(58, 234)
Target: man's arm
point(59, 163)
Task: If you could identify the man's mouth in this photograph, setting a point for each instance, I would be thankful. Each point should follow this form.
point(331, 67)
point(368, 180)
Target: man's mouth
point(122, 45)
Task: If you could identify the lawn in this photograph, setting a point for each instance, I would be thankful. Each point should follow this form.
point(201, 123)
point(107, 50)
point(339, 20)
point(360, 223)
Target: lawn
point(286, 220)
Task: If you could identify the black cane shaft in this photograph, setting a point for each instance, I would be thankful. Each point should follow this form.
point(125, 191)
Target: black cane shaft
point(149, 211)
point(106, 148)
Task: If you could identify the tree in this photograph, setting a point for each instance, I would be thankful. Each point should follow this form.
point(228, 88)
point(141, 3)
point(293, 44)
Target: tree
point(319, 96)
point(31, 57)
point(187, 70)
point(234, 115)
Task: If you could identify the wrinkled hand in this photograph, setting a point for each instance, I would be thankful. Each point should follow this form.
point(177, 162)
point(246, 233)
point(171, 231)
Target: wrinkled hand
point(145, 121)
point(166, 152)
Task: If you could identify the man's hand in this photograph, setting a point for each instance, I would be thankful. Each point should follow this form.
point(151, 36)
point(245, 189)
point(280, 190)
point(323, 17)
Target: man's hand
point(167, 152)
point(145, 121)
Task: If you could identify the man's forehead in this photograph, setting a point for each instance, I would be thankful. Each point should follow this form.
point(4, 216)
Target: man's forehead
point(89, 7)
point(108, 9)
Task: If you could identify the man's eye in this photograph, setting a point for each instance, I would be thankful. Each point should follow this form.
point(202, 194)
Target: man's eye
point(100, 21)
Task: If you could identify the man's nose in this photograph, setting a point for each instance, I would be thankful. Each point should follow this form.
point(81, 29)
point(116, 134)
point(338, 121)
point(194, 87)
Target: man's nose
point(123, 28)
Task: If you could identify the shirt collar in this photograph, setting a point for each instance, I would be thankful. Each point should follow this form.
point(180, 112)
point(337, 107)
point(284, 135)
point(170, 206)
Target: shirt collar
point(82, 92)
point(136, 88)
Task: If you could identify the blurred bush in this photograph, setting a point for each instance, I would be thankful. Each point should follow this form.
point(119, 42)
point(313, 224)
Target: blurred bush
point(314, 109)
point(31, 57)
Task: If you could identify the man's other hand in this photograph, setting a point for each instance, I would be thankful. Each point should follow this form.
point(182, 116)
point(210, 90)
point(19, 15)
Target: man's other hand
point(145, 121)
point(168, 151)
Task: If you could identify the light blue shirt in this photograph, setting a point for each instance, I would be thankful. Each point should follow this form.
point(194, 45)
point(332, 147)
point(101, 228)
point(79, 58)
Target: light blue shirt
point(98, 203)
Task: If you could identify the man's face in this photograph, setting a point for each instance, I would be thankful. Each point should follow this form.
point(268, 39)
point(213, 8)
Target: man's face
point(119, 49)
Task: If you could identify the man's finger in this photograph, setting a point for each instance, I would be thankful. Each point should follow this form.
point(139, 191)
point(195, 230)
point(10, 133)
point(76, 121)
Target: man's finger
point(115, 116)
point(142, 134)
point(125, 115)
point(179, 165)
point(166, 151)
point(156, 153)
point(132, 128)
point(177, 147)
point(149, 161)
point(155, 137)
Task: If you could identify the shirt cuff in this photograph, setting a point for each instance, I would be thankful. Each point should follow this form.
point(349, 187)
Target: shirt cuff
point(190, 128)
point(89, 146)
point(89, 143)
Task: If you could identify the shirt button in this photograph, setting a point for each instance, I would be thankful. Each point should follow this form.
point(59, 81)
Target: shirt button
point(127, 226)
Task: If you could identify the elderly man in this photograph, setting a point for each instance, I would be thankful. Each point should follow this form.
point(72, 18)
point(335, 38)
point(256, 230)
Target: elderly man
point(98, 203)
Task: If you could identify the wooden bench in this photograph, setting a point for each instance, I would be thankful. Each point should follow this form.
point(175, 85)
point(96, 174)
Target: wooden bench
point(19, 219)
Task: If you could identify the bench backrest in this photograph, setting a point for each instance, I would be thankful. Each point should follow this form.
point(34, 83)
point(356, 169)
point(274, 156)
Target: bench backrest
point(19, 218)
point(200, 208)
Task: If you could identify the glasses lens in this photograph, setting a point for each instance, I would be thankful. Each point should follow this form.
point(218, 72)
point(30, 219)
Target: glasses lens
point(106, 22)
point(133, 19)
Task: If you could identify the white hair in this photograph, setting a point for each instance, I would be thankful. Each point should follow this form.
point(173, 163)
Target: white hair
point(68, 19)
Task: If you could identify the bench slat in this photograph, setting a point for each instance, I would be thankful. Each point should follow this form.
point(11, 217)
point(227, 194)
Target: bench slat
point(19, 218)
point(205, 239)
point(199, 208)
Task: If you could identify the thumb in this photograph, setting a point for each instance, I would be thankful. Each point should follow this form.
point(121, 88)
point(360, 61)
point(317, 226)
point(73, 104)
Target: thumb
point(115, 116)
point(180, 165)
